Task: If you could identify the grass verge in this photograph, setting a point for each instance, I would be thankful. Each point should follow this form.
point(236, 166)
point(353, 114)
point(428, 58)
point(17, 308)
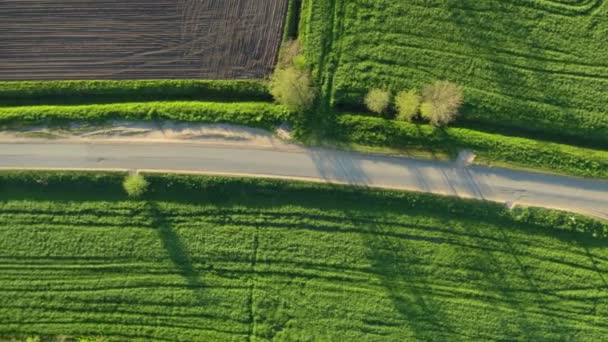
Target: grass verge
point(255, 114)
point(491, 148)
point(95, 92)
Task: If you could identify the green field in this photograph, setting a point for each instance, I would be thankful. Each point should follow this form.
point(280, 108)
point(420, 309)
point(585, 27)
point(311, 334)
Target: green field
point(535, 67)
point(260, 260)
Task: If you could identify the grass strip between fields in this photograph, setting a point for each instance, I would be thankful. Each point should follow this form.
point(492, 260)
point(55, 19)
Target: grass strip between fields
point(105, 91)
point(255, 114)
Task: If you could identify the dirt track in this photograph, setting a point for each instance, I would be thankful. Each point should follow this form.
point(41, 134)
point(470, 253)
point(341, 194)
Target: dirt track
point(139, 39)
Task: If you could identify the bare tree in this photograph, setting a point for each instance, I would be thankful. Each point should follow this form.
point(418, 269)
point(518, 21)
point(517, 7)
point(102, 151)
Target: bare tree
point(441, 101)
point(378, 100)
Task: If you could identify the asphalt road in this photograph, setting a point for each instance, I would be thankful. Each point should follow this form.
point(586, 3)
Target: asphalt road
point(495, 184)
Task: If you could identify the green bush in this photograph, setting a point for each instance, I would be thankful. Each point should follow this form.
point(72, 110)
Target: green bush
point(291, 83)
point(407, 104)
point(33, 184)
point(293, 88)
point(135, 185)
point(256, 114)
point(489, 147)
point(79, 92)
point(378, 100)
point(560, 220)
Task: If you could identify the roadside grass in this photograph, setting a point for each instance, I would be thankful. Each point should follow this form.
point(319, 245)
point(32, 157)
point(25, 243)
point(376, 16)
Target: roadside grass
point(492, 149)
point(534, 68)
point(214, 258)
point(255, 114)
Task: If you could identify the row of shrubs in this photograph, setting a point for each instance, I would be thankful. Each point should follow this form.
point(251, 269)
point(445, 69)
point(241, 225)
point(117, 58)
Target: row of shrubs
point(516, 151)
point(194, 188)
point(437, 103)
point(255, 114)
point(78, 92)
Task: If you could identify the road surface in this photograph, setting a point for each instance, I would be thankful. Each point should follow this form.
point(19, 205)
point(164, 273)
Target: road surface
point(495, 184)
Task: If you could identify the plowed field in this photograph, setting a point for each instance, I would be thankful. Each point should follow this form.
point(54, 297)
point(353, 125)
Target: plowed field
point(139, 39)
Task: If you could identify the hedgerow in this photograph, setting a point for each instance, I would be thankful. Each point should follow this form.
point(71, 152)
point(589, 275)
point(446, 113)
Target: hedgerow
point(79, 92)
point(256, 114)
point(292, 19)
point(489, 147)
point(193, 189)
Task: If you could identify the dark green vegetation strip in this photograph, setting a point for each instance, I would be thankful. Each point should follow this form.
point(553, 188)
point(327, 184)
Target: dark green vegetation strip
point(247, 259)
point(258, 114)
point(81, 92)
point(292, 20)
point(527, 66)
point(491, 148)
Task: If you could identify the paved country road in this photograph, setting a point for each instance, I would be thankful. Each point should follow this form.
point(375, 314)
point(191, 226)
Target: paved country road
point(496, 184)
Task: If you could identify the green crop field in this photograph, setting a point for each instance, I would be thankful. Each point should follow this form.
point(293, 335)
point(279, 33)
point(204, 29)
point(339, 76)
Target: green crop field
point(538, 67)
point(260, 260)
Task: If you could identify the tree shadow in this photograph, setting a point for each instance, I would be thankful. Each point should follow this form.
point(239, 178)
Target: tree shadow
point(396, 264)
point(338, 166)
point(594, 264)
point(522, 309)
point(542, 85)
point(177, 252)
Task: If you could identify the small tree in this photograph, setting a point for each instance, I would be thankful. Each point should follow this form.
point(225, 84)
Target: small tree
point(378, 100)
point(135, 185)
point(292, 87)
point(291, 84)
point(407, 104)
point(441, 101)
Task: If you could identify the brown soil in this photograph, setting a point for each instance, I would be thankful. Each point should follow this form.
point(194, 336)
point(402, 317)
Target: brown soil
point(139, 39)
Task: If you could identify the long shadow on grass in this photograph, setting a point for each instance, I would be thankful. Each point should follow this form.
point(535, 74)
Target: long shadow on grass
point(528, 86)
point(338, 166)
point(523, 294)
point(519, 322)
point(177, 252)
point(394, 260)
